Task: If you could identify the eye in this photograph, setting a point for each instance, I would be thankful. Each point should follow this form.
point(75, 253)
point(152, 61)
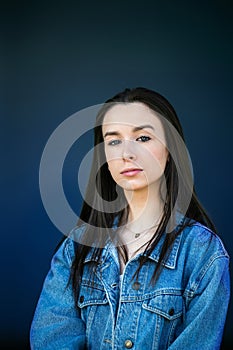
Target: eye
point(114, 142)
point(143, 138)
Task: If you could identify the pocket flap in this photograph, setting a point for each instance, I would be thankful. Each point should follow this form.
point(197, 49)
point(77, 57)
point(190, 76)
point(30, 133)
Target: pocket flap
point(91, 296)
point(169, 306)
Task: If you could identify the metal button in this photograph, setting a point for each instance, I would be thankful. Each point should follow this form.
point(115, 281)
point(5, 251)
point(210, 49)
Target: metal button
point(171, 312)
point(128, 344)
point(136, 285)
point(81, 299)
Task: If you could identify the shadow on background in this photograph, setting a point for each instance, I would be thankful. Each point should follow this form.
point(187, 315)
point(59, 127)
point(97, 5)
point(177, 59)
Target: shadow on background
point(60, 57)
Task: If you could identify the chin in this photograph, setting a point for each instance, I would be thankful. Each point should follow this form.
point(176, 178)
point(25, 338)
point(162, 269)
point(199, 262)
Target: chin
point(133, 186)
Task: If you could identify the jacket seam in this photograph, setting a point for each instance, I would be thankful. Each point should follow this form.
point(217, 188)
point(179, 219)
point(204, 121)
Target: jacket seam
point(67, 250)
point(203, 273)
point(205, 228)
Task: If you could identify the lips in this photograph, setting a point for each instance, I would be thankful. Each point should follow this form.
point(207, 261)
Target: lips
point(131, 171)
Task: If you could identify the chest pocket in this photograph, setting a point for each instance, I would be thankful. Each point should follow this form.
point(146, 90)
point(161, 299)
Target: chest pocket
point(91, 295)
point(170, 306)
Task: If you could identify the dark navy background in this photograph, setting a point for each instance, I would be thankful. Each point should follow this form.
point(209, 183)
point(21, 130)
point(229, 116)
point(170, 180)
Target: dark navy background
point(60, 57)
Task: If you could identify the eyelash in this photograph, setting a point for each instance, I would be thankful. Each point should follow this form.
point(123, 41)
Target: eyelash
point(117, 142)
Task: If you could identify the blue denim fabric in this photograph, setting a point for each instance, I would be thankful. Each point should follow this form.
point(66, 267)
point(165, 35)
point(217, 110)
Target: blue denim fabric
point(185, 309)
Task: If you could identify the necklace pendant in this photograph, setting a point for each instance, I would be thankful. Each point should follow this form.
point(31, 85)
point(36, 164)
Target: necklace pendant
point(137, 235)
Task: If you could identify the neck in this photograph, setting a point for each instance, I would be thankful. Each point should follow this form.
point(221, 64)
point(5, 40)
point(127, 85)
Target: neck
point(145, 208)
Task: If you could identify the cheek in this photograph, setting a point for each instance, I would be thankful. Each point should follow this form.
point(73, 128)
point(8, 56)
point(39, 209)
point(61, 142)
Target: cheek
point(158, 156)
point(112, 154)
point(111, 160)
point(162, 155)
point(113, 167)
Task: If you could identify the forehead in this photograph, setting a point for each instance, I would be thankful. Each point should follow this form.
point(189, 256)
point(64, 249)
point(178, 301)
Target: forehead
point(131, 114)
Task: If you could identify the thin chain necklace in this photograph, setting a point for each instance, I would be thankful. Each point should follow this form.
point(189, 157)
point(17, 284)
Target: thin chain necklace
point(138, 234)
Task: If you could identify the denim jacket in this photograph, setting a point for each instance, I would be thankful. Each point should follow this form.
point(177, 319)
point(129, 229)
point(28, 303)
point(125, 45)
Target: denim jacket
point(185, 309)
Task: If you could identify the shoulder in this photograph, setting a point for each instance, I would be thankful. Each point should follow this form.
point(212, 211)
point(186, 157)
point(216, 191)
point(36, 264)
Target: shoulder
point(199, 238)
point(202, 257)
point(201, 248)
point(69, 245)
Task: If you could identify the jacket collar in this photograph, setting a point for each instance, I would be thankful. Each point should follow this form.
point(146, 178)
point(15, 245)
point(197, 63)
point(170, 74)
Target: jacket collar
point(110, 251)
point(170, 262)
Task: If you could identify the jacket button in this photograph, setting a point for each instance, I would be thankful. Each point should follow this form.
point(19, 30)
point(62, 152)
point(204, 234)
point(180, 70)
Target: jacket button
point(128, 344)
point(81, 299)
point(171, 312)
point(136, 285)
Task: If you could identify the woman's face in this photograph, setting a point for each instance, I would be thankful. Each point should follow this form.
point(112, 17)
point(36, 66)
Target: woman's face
point(135, 146)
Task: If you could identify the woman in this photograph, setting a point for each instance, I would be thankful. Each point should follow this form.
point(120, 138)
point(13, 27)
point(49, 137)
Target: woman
point(144, 268)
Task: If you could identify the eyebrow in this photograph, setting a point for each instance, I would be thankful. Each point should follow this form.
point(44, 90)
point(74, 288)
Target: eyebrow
point(136, 128)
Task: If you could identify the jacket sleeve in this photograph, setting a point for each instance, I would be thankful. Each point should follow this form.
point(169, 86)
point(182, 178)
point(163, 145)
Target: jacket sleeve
point(56, 323)
point(206, 308)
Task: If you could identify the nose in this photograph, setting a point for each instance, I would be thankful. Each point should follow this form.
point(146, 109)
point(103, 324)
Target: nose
point(128, 151)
